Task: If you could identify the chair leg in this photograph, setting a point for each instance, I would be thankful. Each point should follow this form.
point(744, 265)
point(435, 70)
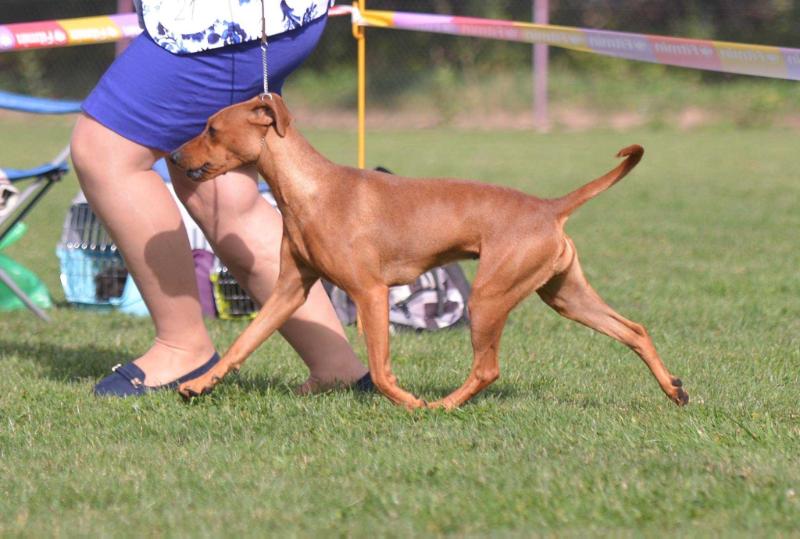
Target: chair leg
point(9, 282)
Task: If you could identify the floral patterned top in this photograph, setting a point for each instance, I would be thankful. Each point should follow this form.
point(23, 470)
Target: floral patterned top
point(187, 26)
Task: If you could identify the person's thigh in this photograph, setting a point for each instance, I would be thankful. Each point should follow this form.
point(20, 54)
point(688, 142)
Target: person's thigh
point(94, 148)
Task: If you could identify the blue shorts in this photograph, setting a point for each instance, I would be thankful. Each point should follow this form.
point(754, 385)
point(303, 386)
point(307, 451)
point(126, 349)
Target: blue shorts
point(161, 100)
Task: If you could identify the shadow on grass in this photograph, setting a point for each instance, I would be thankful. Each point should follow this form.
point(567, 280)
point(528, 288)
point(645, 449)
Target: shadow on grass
point(261, 383)
point(435, 391)
point(265, 384)
point(74, 364)
point(65, 362)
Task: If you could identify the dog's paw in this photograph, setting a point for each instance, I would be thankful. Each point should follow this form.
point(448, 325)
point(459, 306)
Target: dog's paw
point(678, 395)
point(414, 404)
point(442, 404)
point(187, 393)
point(197, 387)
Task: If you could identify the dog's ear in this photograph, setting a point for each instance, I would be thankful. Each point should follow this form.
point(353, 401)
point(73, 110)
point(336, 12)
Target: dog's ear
point(271, 110)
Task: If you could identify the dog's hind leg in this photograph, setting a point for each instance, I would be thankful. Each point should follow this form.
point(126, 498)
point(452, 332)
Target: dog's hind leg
point(487, 319)
point(373, 309)
point(569, 294)
point(504, 279)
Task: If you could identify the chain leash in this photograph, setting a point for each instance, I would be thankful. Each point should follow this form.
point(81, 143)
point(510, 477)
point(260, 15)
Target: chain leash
point(264, 48)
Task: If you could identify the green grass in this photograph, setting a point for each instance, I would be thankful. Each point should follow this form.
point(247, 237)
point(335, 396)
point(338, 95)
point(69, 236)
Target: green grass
point(699, 244)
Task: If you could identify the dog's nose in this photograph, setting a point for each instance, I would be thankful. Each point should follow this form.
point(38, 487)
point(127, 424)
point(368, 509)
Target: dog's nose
point(175, 157)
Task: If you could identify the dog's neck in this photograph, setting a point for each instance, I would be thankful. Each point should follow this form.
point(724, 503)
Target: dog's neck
point(294, 170)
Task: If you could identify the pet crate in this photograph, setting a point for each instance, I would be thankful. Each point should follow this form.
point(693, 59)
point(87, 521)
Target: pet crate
point(93, 273)
point(92, 270)
point(230, 298)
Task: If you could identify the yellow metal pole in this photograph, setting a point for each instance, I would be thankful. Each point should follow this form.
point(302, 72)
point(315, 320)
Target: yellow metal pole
point(360, 35)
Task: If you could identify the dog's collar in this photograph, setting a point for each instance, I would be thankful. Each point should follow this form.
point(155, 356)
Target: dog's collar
point(265, 96)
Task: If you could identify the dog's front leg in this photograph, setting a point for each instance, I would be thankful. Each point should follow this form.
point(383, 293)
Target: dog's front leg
point(373, 309)
point(291, 291)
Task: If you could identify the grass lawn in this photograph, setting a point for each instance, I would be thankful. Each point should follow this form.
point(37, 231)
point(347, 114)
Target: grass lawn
point(700, 244)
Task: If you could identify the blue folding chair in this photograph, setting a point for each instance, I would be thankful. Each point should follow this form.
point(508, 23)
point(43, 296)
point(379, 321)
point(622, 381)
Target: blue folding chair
point(15, 205)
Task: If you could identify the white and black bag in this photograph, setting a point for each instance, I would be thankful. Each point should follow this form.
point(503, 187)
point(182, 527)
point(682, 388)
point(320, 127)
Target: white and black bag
point(437, 299)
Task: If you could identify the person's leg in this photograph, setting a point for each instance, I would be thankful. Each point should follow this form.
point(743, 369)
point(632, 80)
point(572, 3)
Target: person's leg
point(245, 232)
point(160, 100)
point(143, 219)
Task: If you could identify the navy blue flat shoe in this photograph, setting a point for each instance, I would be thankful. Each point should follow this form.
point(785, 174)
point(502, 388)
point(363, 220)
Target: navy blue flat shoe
point(128, 380)
point(364, 384)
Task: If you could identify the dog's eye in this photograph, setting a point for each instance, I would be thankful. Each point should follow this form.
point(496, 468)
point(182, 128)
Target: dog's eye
point(212, 132)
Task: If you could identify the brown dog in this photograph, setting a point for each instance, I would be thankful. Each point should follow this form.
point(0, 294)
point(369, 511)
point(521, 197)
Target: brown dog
point(365, 231)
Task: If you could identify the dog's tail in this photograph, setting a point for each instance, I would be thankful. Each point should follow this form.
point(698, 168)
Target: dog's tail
point(567, 204)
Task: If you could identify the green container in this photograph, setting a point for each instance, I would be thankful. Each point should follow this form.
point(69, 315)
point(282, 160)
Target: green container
point(25, 279)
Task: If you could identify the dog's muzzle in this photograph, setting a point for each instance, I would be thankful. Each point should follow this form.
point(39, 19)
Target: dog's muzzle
point(192, 173)
point(195, 173)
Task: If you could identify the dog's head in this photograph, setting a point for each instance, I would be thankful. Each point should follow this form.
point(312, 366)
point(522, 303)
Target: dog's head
point(234, 137)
